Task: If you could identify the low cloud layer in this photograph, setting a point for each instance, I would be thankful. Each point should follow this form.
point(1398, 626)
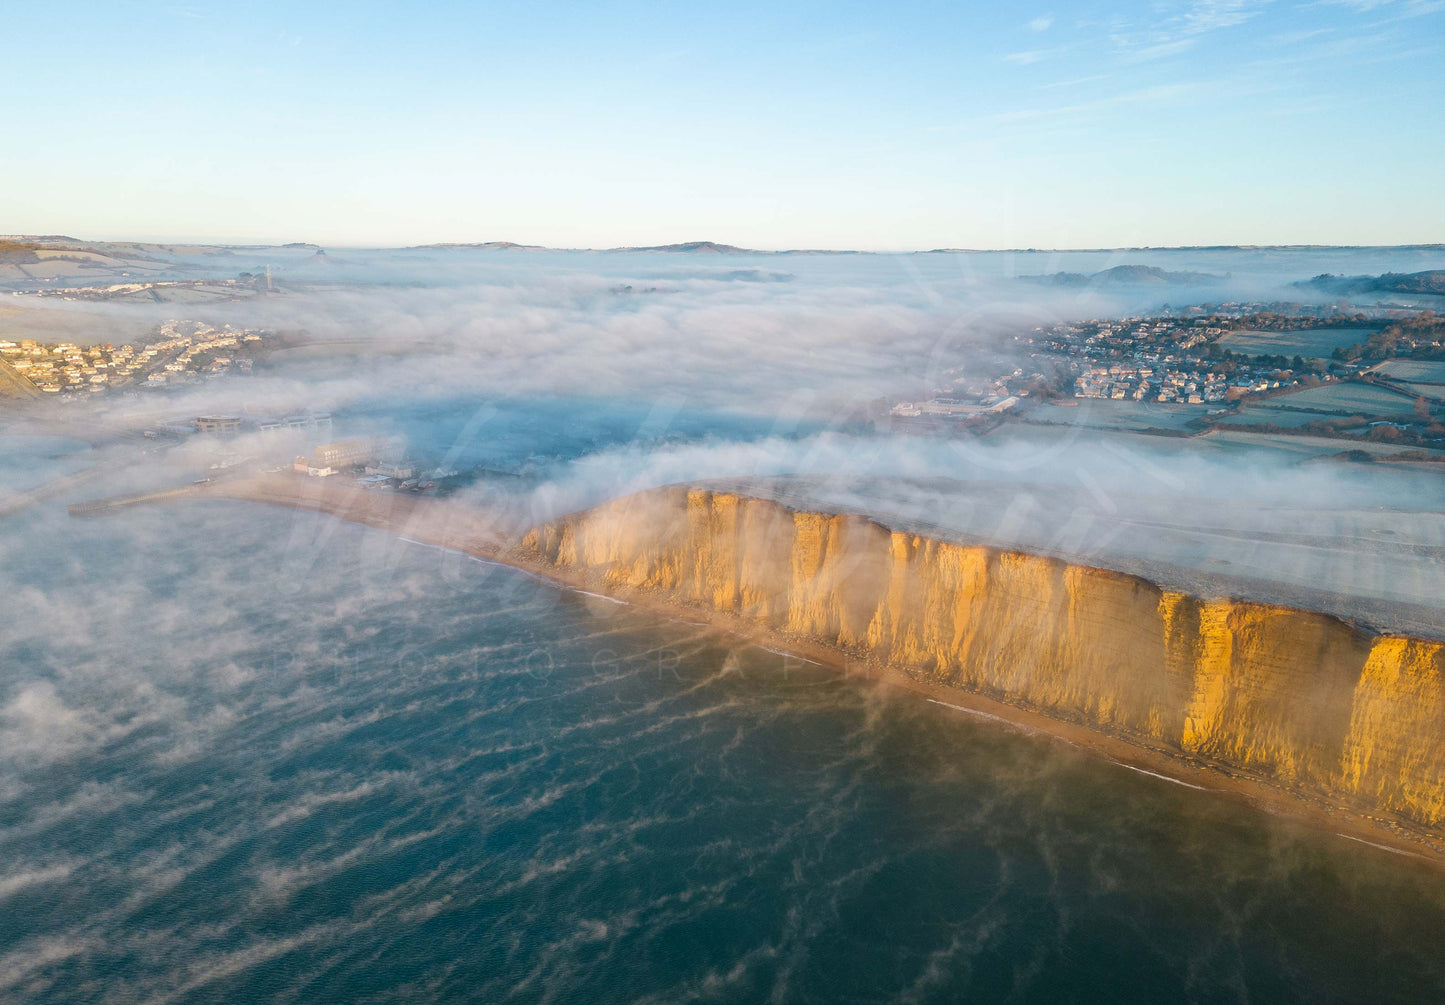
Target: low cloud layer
point(743, 332)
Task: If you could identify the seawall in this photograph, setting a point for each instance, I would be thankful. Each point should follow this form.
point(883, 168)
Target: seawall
point(1302, 700)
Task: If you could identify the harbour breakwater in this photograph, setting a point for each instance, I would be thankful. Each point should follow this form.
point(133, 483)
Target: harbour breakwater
point(1300, 699)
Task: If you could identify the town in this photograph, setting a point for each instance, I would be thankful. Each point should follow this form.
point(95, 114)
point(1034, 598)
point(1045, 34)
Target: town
point(1284, 370)
point(1168, 359)
point(185, 352)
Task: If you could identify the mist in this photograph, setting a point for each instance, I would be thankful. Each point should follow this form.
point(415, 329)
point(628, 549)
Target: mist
point(586, 375)
point(766, 333)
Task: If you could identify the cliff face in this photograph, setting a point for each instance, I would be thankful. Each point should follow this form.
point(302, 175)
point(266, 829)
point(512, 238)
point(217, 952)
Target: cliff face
point(1294, 695)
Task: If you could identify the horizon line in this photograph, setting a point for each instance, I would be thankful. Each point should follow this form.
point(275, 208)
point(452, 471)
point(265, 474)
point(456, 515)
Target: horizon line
point(722, 248)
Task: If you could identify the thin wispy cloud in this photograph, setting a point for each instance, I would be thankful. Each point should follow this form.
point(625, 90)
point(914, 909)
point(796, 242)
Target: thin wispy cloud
point(1211, 15)
point(1042, 23)
point(1361, 48)
point(1182, 29)
point(1401, 8)
point(1410, 9)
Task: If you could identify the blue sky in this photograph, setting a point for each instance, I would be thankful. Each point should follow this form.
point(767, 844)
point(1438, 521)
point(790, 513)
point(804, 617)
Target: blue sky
point(809, 125)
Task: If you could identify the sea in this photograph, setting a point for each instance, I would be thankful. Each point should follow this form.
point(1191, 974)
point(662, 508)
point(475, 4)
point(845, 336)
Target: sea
point(252, 755)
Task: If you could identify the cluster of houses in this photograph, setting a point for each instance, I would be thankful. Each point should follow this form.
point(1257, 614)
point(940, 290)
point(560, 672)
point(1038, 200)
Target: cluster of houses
point(203, 340)
point(1124, 381)
point(1154, 359)
point(64, 367)
point(366, 452)
point(1164, 336)
point(380, 461)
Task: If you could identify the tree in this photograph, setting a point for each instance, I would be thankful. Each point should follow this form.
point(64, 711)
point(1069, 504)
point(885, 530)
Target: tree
point(1422, 409)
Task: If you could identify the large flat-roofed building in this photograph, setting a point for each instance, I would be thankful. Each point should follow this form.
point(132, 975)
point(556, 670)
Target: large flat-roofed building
point(305, 467)
point(224, 425)
point(306, 421)
point(349, 453)
point(388, 470)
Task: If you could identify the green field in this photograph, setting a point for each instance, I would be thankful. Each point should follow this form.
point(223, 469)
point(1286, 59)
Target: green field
point(1302, 446)
point(1280, 417)
point(1343, 399)
point(1100, 413)
point(1314, 343)
point(1415, 372)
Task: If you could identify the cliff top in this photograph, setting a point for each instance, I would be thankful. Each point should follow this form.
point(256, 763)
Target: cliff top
point(1380, 568)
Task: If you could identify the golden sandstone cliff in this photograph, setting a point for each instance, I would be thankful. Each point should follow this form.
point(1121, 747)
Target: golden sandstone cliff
point(1303, 698)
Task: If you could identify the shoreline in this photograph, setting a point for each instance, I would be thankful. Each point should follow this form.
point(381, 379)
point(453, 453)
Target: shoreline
point(436, 523)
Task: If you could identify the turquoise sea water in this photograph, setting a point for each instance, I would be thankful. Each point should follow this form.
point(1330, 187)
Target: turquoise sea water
point(253, 755)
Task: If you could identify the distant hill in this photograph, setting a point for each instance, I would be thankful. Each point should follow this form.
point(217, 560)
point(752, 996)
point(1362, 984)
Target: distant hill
point(694, 248)
point(32, 251)
point(18, 252)
point(483, 246)
point(1125, 275)
point(1131, 274)
point(684, 248)
point(1432, 281)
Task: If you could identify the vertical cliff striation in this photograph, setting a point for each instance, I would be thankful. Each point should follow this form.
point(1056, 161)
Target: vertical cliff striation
point(1296, 696)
